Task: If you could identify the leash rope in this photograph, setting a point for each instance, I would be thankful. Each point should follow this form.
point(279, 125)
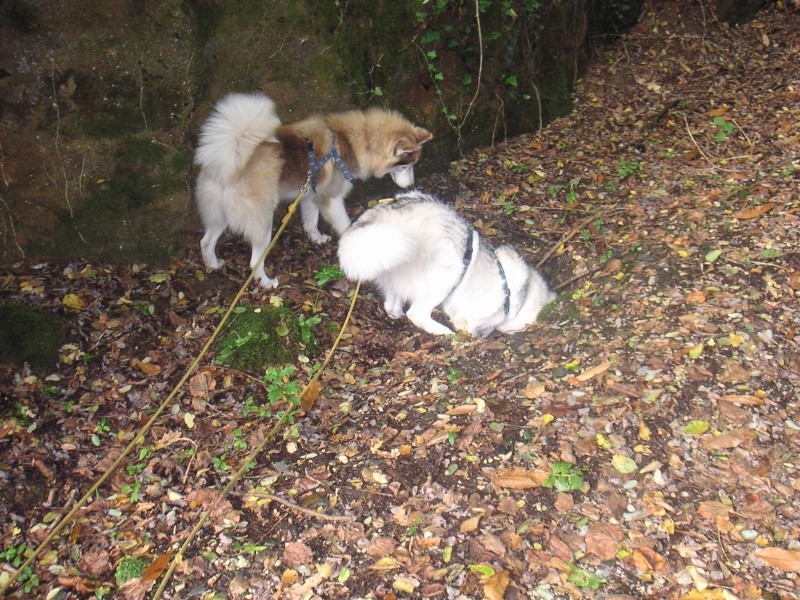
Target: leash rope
point(139, 437)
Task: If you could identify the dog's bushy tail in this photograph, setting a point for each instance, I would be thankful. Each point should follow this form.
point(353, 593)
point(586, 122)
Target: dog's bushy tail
point(239, 123)
point(369, 250)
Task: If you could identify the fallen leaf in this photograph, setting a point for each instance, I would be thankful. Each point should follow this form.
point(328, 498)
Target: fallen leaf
point(381, 546)
point(495, 586)
point(594, 371)
point(147, 368)
point(156, 568)
point(623, 464)
point(533, 390)
point(470, 524)
point(754, 212)
point(725, 440)
point(296, 554)
point(712, 509)
point(780, 558)
point(602, 540)
point(695, 297)
point(517, 479)
point(743, 399)
point(696, 427)
point(73, 302)
point(310, 395)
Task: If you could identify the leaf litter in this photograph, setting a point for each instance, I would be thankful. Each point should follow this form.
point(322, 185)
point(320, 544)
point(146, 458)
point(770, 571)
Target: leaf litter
point(639, 442)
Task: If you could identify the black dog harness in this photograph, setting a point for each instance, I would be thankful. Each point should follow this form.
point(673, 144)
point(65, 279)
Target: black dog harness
point(314, 167)
point(467, 260)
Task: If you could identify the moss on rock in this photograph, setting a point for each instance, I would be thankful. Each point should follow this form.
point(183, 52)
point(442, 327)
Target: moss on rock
point(27, 336)
point(263, 336)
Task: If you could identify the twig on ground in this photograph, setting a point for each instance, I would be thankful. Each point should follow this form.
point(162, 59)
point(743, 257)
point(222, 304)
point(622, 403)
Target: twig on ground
point(304, 511)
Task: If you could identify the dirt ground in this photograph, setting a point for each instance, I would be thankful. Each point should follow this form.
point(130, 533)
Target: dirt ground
point(640, 441)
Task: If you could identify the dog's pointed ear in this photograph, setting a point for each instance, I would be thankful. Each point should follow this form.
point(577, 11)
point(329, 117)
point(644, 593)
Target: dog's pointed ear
point(422, 134)
point(407, 145)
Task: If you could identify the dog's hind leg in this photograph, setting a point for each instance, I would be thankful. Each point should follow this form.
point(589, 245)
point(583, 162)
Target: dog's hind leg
point(259, 240)
point(393, 305)
point(309, 212)
point(209, 242)
point(420, 316)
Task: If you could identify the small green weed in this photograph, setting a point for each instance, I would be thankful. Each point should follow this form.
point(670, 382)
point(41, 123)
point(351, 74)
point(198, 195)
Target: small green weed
point(628, 168)
point(565, 477)
point(584, 579)
point(14, 555)
point(723, 128)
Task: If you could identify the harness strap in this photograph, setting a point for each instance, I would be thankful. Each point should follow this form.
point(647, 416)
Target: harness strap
point(466, 260)
point(315, 166)
point(506, 291)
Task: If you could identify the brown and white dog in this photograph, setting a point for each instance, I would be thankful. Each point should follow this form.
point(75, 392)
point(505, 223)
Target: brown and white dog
point(249, 163)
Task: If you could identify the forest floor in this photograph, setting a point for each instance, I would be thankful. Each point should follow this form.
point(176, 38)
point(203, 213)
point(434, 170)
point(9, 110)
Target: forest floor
point(641, 441)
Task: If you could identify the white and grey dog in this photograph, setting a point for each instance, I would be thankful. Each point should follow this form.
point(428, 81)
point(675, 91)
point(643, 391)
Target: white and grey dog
point(420, 252)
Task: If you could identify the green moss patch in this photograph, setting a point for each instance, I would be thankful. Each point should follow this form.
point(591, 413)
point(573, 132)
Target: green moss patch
point(261, 336)
point(27, 336)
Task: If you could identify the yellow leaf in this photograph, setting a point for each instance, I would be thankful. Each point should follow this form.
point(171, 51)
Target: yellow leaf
point(644, 431)
point(73, 302)
point(385, 564)
point(780, 558)
point(547, 418)
point(695, 351)
point(736, 339)
point(603, 441)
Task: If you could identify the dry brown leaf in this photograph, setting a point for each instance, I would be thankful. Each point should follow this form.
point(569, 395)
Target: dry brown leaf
point(289, 577)
point(381, 546)
point(706, 594)
point(602, 540)
point(695, 297)
point(464, 409)
point(147, 368)
point(201, 384)
point(726, 440)
point(495, 586)
point(533, 390)
point(711, 509)
point(594, 371)
point(157, 567)
point(754, 211)
point(743, 399)
point(310, 395)
point(780, 558)
point(518, 479)
point(646, 559)
point(470, 524)
point(296, 554)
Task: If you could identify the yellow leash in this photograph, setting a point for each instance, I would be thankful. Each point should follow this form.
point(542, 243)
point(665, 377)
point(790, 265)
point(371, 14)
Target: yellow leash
point(139, 438)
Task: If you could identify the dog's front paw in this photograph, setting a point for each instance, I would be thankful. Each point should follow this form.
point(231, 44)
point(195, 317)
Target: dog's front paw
point(214, 265)
point(318, 238)
point(267, 283)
